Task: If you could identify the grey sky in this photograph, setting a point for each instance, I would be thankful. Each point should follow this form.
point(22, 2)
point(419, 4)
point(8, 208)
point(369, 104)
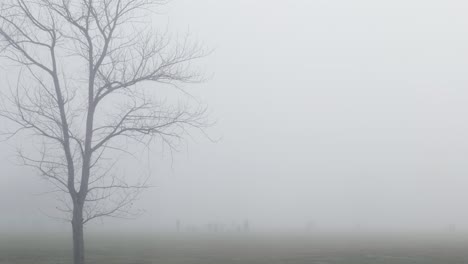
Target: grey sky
point(338, 112)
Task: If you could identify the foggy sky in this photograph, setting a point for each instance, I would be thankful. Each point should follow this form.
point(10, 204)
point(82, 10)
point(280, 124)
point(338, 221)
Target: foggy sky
point(340, 112)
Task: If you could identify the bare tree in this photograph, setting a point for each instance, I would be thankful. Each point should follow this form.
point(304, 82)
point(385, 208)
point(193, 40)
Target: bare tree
point(84, 92)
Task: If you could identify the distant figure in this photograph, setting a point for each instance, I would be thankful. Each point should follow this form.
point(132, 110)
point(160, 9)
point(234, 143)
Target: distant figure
point(310, 226)
point(358, 227)
point(246, 226)
point(213, 227)
point(178, 225)
point(452, 228)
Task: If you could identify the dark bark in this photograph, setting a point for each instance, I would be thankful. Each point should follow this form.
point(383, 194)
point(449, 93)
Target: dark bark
point(78, 235)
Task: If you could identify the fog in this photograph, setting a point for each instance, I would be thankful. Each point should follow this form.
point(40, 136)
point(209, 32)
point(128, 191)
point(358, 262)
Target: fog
point(344, 114)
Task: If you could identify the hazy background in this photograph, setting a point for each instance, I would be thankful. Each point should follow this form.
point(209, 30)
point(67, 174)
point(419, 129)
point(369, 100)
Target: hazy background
point(343, 113)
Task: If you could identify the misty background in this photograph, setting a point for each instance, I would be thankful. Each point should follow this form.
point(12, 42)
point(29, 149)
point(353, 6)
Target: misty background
point(338, 113)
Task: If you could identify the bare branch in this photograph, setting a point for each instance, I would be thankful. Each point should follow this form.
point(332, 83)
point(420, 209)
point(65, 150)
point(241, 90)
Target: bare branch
point(87, 79)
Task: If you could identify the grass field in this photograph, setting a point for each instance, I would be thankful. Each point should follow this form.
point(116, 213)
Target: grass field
point(240, 248)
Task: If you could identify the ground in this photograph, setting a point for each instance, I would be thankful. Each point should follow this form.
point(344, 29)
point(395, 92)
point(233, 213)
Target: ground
point(240, 249)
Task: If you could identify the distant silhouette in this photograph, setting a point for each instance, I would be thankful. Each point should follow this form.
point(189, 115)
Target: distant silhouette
point(178, 226)
point(246, 227)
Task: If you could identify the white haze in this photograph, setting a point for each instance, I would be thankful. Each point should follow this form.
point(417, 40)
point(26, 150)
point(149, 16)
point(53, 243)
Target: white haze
point(343, 113)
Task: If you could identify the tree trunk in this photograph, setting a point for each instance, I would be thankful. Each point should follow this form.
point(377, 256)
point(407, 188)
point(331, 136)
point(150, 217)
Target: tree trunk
point(78, 236)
